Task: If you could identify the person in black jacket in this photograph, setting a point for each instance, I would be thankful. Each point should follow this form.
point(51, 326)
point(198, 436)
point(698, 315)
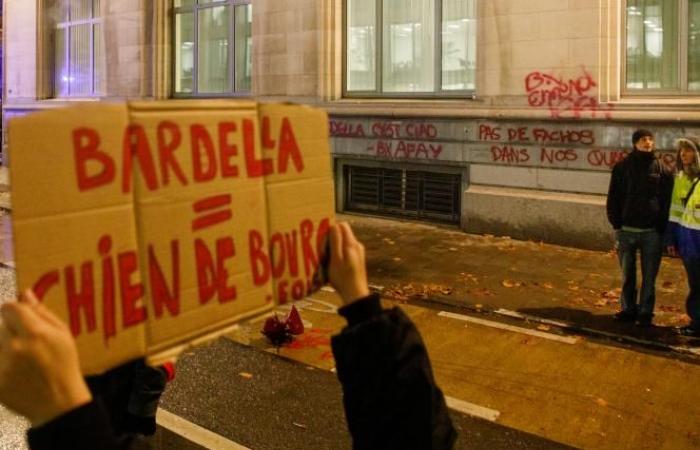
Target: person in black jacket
point(390, 396)
point(638, 203)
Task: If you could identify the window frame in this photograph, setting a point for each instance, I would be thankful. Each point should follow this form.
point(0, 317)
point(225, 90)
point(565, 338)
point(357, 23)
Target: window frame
point(682, 35)
point(96, 19)
point(195, 10)
point(438, 94)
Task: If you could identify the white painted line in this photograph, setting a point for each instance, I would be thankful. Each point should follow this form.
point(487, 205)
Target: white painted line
point(471, 409)
point(503, 326)
point(693, 350)
point(517, 315)
point(194, 433)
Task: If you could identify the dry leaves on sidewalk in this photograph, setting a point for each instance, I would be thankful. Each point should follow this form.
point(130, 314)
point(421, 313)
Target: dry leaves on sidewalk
point(669, 308)
point(422, 291)
point(512, 283)
point(469, 277)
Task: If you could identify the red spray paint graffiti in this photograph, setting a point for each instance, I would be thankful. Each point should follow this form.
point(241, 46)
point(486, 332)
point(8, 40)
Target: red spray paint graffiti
point(570, 98)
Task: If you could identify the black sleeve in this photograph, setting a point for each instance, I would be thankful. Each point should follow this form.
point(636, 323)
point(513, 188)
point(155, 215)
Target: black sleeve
point(84, 428)
point(389, 393)
point(665, 200)
point(615, 200)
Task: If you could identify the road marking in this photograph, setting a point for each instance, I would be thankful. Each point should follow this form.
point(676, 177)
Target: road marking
point(691, 350)
point(194, 433)
point(471, 409)
point(517, 315)
point(503, 326)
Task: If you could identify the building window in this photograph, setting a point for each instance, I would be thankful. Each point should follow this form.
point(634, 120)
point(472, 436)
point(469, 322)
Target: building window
point(410, 48)
point(78, 49)
point(212, 47)
point(663, 46)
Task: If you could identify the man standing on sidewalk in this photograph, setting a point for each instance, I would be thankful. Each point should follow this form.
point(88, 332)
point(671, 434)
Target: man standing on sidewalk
point(638, 204)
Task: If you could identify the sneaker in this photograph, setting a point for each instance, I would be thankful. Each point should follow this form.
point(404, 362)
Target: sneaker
point(625, 316)
point(643, 320)
point(689, 331)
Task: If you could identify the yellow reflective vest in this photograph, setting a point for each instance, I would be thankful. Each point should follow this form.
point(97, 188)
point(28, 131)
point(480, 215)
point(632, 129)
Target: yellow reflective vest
point(691, 213)
point(681, 187)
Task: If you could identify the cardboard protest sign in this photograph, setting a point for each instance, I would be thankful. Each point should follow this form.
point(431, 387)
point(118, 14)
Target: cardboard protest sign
point(149, 225)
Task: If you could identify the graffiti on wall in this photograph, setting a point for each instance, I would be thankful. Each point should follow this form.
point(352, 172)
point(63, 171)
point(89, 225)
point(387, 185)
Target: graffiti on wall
point(403, 140)
point(571, 98)
point(545, 146)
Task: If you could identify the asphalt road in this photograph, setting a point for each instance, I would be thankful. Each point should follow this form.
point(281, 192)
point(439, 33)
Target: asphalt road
point(286, 405)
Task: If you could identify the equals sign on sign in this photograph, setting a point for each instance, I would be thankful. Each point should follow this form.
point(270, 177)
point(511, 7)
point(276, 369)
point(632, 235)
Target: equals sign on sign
point(211, 210)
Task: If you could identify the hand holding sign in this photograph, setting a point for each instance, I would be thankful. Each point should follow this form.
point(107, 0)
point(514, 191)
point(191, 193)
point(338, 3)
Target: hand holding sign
point(39, 369)
point(347, 270)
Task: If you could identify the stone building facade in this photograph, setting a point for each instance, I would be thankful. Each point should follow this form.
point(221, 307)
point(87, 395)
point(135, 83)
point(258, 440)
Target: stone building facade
point(500, 116)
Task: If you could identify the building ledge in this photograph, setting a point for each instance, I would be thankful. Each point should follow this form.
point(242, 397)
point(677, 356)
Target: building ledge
point(590, 199)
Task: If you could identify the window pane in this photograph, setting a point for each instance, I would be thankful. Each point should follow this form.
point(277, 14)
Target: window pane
point(361, 71)
point(458, 44)
point(243, 42)
point(80, 78)
point(694, 45)
point(213, 58)
point(96, 8)
point(80, 9)
point(61, 70)
point(184, 3)
point(408, 52)
point(98, 59)
point(652, 53)
point(184, 52)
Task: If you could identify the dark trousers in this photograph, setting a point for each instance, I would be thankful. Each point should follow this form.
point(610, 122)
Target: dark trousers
point(692, 303)
point(648, 244)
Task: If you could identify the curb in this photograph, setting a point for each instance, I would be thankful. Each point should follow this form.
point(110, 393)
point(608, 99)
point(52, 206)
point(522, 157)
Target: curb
point(563, 325)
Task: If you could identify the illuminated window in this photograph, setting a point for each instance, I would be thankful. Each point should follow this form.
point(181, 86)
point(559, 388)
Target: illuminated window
point(410, 47)
point(212, 48)
point(78, 49)
point(663, 46)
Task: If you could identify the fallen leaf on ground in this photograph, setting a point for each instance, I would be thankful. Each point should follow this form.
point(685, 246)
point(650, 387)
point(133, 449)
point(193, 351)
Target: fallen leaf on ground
point(453, 249)
point(614, 293)
point(299, 425)
point(246, 375)
point(601, 303)
point(511, 283)
point(483, 292)
point(544, 327)
point(573, 288)
point(601, 402)
point(397, 259)
point(669, 308)
point(478, 306)
point(548, 285)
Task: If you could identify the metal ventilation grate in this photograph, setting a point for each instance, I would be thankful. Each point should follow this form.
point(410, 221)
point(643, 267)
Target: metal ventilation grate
point(399, 192)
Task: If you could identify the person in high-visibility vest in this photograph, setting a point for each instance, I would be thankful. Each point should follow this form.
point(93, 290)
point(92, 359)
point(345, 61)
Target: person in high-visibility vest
point(684, 232)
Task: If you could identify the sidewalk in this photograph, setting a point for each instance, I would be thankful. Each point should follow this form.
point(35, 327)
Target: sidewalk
point(414, 261)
